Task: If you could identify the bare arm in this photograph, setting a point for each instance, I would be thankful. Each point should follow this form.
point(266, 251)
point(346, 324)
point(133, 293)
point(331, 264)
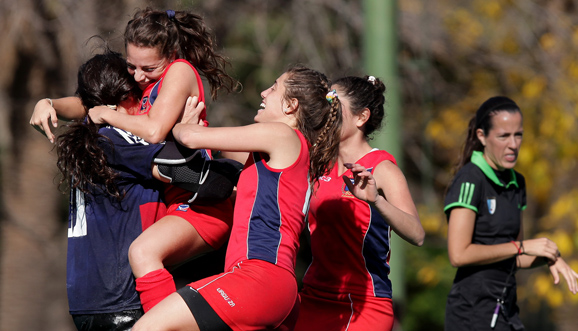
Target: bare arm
point(178, 84)
point(528, 261)
point(45, 114)
point(278, 140)
point(463, 252)
point(387, 191)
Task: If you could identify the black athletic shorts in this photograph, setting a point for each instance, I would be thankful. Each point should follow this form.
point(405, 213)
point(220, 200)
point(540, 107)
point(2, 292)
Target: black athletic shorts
point(471, 304)
point(206, 317)
point(119, 321)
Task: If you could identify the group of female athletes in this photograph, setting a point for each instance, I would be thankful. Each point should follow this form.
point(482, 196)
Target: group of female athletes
point(307, 161)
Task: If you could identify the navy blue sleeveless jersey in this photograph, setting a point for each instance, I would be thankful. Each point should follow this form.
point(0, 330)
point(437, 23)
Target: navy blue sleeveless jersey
point(101, 229)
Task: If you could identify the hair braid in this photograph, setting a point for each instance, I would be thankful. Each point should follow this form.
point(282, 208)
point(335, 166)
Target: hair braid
point(317, 119)
point(330, 120)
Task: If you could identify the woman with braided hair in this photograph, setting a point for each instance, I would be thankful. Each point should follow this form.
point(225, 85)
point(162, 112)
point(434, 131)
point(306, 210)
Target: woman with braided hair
point(164, 51)
point(352, 213)
point(293, 143)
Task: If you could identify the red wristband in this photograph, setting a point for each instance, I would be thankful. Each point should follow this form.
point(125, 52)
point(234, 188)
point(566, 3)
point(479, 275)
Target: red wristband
point(517, 247)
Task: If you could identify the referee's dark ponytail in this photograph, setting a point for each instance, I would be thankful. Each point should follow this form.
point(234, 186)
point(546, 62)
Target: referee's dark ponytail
point(483, 120)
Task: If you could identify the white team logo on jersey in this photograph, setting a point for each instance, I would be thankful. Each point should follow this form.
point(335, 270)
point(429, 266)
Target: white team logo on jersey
point(491, 205)
point(183, 207)
point(131, 138)
point(325, 178)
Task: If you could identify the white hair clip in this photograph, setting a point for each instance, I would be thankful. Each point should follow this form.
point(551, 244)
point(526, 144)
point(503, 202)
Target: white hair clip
point(371, 79)
point(113, 107)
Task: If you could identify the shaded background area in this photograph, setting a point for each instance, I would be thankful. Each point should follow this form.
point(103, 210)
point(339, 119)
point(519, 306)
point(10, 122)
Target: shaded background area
point(452, 55)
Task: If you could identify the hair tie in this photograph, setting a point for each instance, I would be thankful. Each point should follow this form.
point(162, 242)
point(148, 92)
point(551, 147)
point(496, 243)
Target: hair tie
point(331, 95)
point(371, 79)
point(171, 14)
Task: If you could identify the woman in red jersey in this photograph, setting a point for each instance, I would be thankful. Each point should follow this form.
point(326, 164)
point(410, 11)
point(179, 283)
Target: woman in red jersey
point(358, 203)
point(294, 141)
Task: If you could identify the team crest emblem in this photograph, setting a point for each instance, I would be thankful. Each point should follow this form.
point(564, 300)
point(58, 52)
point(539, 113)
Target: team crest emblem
point(491, 205)
point(345, 193)
point(183, 208)
point(143, 105)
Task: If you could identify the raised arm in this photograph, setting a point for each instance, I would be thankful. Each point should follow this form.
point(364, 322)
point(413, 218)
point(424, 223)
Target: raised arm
point(178, 84)
point(387, 191)
point(278, 140)
point(47, 112)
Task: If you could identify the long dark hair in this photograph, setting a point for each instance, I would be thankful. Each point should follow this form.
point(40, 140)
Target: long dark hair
point(483, 120)
point(367, 92)
point(184, 35)
point(102, 80)
point(318, 119)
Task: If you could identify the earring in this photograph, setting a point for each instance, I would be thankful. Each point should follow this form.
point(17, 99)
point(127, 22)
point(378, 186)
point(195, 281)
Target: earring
point(286, 111)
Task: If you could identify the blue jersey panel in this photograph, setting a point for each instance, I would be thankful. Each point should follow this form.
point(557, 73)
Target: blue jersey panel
point(264, 236)
point(376, 254)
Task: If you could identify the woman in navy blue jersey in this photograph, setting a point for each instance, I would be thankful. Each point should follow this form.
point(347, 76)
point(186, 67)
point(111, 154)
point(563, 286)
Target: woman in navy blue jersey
point(113, 198)
point(484, 206)
point(166, 52)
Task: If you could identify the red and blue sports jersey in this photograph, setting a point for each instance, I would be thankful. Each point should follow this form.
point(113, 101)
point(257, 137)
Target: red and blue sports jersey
point(151, 93)
point(270, 211)
point(349, 239)
point(173, 194)
point(101, 229)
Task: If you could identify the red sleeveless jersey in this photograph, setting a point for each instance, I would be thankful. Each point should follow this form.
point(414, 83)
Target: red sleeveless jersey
point(151, 93)
point(270, 211)
point(349, 239)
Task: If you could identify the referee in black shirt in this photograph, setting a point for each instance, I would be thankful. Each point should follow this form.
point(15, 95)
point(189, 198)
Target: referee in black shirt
point(484, 205)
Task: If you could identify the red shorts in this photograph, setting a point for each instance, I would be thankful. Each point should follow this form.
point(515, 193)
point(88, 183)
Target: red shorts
point(212, 222)
point(324, 311)
point(253, 295)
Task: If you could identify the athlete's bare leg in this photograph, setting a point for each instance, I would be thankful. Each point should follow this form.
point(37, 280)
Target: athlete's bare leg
point(170, 314)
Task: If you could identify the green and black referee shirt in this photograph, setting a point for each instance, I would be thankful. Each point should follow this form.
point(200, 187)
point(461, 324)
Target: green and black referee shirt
point(497, 197)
